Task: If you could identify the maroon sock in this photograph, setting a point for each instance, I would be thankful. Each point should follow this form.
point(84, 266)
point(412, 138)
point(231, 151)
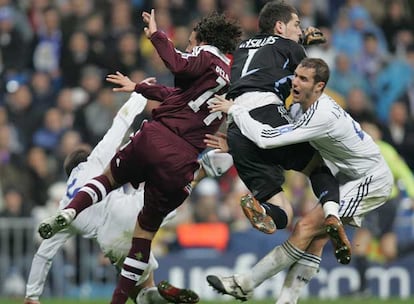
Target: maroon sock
point(93, 191)
point(133, 268)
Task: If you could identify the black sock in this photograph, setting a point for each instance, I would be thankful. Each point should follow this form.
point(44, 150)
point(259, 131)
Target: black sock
point(324, 185)
point(278, 215)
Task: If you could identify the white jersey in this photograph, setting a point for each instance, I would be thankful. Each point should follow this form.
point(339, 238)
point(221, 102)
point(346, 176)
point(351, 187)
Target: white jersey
point(347, 149)
point(111, 221)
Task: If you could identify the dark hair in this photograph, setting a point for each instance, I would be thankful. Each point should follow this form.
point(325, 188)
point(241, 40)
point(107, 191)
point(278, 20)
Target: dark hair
point(216, 30)
point(272, 12)
point(75, 158)
point(320, 67)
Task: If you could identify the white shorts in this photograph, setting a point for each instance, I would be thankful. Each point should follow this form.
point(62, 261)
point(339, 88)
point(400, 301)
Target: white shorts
point(362, 195)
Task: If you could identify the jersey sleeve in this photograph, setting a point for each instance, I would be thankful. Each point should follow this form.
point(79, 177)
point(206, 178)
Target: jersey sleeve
point(106, 148)
point(267, 137)
point(176, 61)
point(42, 261)
point(155, 92)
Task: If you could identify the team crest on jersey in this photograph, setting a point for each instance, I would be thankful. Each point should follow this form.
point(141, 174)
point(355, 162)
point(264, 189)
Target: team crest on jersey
point(139, 256)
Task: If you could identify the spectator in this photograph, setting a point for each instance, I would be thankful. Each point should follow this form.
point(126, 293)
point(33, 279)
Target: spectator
point(21, 21)
point(120, 22)
point(43, 91)
point(47, 44)
point(77, 55)
point(76, 12)
point(310, 16)
point(392, 83)
point(361, 23)
point(395, 21)
point(13, 47)
point(23, 113)
point(400, 132)
point(66, 106)
point(14, 144)
point(15, 205)
point(370, 60)
point(95, 29)
point(344, 78)
point(344, 37)
point(11, 164)
point(127, 57)
point(48, 135)
point(99, 115)
point(359, 105)
point(42, 173)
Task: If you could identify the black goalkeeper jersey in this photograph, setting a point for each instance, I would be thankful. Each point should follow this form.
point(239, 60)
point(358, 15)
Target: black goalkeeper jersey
point(265, 63)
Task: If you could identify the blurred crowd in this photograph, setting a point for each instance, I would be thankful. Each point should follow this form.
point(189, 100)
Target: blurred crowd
point(54, 55)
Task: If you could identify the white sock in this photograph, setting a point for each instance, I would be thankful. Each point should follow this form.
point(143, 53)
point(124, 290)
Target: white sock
point(275, 261)
point(331, 208)
point(298, 277)
point(150, 295)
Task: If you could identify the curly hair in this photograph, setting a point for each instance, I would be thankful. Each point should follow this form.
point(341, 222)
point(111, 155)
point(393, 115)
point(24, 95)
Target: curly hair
point(272, 12)
point(216, 30)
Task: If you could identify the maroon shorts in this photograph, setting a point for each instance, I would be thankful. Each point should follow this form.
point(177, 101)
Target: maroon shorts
point(165, 162)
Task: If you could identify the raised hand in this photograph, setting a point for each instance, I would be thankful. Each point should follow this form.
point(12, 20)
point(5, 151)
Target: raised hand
point(149, 19)
point(220, 104)
point(218, 141)
point(127, 85)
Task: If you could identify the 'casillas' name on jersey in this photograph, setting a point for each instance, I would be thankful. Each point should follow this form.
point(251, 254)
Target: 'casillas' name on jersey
point(258, 42)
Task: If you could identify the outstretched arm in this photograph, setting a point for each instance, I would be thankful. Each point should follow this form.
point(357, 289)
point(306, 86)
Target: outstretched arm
point(177, 62)
point(147, 87)
point(263, 135)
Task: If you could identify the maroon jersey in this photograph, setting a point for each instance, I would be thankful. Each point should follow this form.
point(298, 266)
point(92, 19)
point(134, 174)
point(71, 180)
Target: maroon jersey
point(198, 76)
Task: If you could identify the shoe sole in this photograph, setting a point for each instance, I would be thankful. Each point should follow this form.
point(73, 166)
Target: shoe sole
point(261, 222)
point(342, 248)
point(47, 230)
point(215, 282)
point(176, 295)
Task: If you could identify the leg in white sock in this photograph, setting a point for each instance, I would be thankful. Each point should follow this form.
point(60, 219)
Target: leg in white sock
point(298, 277)
point(275, 261)
point(302, 272)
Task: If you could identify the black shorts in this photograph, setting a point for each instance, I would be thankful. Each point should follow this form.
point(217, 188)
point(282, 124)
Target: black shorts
point(262, 170)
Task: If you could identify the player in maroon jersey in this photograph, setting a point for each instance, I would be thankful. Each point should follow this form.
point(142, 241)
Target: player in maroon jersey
point(163, 154)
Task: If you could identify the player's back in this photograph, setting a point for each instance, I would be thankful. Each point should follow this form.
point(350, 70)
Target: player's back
point(185, 111)
point(265, 63)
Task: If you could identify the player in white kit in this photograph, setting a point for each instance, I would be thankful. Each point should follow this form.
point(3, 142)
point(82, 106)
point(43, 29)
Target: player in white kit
point(364, 177)
point(112, 222)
